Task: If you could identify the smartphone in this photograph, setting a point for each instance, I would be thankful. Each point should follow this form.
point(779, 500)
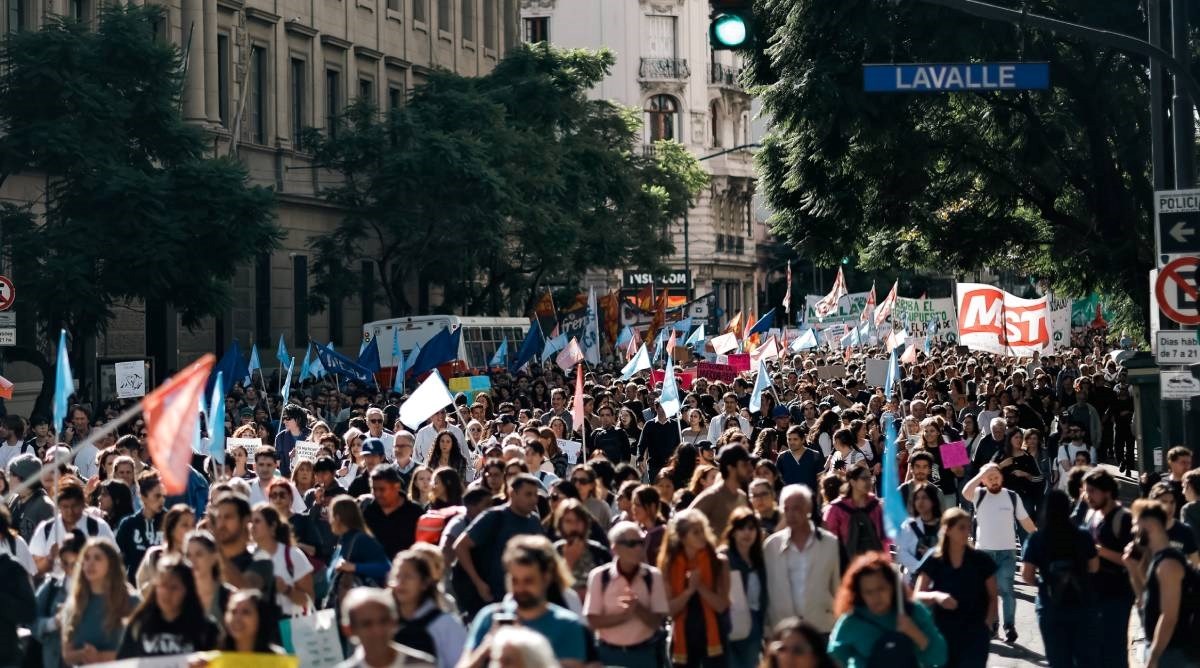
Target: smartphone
point(504, 619)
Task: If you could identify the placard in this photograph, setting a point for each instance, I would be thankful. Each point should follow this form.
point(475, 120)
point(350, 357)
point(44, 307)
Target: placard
point(740, 362)
point(571, 449)
point(306, 449)
point(876, 372)
point(830, 372)
point(131, 379)
point(250, 445)
point(716, 372)
point(954, 454)
point(470, 385)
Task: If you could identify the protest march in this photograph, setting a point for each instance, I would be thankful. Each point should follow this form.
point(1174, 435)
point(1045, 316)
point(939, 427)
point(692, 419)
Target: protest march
point(862, 483)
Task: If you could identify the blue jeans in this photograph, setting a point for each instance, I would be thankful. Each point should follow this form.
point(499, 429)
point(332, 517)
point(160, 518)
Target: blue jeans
point(745, 653)
point(1006, 569)
point(1112, 641)
point(1070, 635)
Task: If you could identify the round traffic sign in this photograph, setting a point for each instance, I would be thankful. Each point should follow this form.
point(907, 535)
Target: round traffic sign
point(8, 294)
point(1178, 290)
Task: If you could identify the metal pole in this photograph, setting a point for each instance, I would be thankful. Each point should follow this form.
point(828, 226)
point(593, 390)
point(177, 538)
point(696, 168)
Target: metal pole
point(1158, 158)
point(1182, 120)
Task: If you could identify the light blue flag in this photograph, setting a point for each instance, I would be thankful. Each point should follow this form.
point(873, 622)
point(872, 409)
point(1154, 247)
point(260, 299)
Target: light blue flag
point(64, 384)
point(216, 423)
point(197, 442)
point(317, 369)
point(287, 382)
point(554, 345)
point(281, 353)
point(306, 365)
point(805, 341)
point(412, 356)
point(761, 383)
point(363, 346)
point(850, 338)
point(696, 337)
point(684, 325)
point(640, 362)
point(893, 375)
point(624, 337)
point(669, 398)
point(659, 342)
point(893, 505)
point(398, 358)
point(255, 365)
point(501, 356)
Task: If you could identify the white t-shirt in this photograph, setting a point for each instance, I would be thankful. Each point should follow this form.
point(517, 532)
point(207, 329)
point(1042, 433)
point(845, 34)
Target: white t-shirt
point(258, 495)
point(7, 452)
point(724, 421)
point(39, 544)
point(994, 514)
point(300, 568)
point(85, 461)
point(19, 553)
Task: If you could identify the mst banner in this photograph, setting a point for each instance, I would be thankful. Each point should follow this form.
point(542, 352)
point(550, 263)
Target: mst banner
point(916, 315)
point(994, 321)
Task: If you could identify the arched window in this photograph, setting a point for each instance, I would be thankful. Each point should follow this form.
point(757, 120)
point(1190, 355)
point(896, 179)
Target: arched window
point(661, 117)
point(714, 113)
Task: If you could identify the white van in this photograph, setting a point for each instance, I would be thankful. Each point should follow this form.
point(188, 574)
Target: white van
point(481, 336)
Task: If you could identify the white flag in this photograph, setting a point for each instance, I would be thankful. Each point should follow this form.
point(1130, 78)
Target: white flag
point(640, 362)
point(570, 356)
point(591, 331)
point(431, 397)
point(829, 303)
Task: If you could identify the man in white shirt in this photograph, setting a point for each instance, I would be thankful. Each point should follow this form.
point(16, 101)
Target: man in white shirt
point(369, 616)
point(266, 460)
point(730, 417)
point(52, 533)
point(997, 510)
point(375, 430)
point(802, 564)
point(12, 439)
point(428, 434)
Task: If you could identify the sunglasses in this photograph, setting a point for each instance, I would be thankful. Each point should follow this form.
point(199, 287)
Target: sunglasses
point(375, 421)
point(632, 542)
point(581, 481)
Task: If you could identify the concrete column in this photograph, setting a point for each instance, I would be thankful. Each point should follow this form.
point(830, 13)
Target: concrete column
point(192, 23)
point(212, 103)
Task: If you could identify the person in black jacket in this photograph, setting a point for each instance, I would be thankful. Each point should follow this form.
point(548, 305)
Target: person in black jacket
point(139, 532)
point(17, 606)
point(609, 439)
point(660, 437)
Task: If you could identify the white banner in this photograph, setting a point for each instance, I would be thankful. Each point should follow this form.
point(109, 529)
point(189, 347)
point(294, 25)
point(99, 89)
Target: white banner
point(1060, 323)
point(915, 316)
point(849, 310)
point(994, 321)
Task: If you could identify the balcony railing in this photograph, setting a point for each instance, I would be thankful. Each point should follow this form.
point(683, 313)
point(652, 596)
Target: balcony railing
point(663, 68)
point(724, 75)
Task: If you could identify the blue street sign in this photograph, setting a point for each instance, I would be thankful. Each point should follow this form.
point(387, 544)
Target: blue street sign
point(948, 77)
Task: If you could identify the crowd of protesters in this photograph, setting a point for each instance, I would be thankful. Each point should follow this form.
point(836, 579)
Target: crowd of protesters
point(509, 530)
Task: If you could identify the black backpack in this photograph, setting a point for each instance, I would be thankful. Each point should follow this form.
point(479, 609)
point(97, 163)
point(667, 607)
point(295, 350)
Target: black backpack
point(415, 633)
point(863, 536)
point(892, 649)
point(92, 524)
point(1064, 583)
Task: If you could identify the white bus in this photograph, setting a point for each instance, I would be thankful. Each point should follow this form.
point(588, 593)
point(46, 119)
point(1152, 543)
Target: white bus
point(478, 343)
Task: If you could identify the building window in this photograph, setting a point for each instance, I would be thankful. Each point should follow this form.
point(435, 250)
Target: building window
point(366, 90)
point(661, 113)
point(393, 5)
point(80, 10)
point(714, 113)
point(18, 15)
point(262, 299)
point(256, 90)
point(299, 98)
point(445, 23)
point(333, 100)
point(395, 98)
point(300, 299)
point(418, 12)
point(366, 296)
point(661, 41)
point(223, 79)
point(468, 20)
point(489, 24)
point(537, 29)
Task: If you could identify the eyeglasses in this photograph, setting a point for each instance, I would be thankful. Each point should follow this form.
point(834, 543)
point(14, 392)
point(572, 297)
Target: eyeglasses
point(375, 421)
point(632, 542)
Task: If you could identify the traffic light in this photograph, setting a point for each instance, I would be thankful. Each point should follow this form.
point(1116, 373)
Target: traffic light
point(732, 24)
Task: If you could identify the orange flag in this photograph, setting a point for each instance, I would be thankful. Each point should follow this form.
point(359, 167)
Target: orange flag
point(6, 388)
point(171, 415)
point(735, 325)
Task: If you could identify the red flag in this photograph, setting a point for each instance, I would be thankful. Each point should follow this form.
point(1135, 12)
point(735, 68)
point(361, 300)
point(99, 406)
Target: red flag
point(6, 388)
point(577, 409)
point(171, 414)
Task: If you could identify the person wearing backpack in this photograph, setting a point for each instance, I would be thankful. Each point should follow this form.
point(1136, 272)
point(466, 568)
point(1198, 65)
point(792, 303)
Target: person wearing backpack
point(1060, 558)
point(997, 511)
point(878, 629)
point(424, 625)
point(1168, 590)
point(959, 583)
point(856, 517)
point(626, 603)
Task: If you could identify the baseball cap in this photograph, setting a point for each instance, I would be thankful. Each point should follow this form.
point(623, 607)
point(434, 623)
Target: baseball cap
point(505, 418)
point(24, 466)
point(327, 464)
point(704, 445)
point(780, 411)
point(246, 412)
point(373, 446)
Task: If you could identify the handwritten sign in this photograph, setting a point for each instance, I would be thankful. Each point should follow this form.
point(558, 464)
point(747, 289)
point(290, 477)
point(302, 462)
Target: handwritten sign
point(250, 445)
point(712, 371)
point(954, 454)
point(305, 449)
point(571, 449)
point(130, 379)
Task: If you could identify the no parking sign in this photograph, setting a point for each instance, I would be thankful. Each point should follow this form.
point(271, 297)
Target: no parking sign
point(1178, 291)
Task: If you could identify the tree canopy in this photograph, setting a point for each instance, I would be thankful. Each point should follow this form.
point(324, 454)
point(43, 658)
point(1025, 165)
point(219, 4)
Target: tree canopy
point(493, 186)
point(133, 209)
point(1054, 184)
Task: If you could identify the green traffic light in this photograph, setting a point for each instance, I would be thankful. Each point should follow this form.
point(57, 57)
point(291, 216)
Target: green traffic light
point(730, 31)
point(845, 260)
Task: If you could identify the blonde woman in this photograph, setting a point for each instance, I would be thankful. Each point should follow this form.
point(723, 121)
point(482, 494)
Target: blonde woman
point(93, 617)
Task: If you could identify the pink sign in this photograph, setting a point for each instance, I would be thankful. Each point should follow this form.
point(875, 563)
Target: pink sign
point(684, 377)
point(740, 362)
point(954, 454)
point(711, 371)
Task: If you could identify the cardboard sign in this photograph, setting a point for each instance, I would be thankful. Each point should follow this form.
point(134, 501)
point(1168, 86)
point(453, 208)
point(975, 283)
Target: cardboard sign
point(876, 372)
point(250, 445)
point(954, 454)
point(830, 372)
point(131, 379)
point(306, 449)
point(719, 372)
point(571, 449)
point(470, 385)
point(740, 362)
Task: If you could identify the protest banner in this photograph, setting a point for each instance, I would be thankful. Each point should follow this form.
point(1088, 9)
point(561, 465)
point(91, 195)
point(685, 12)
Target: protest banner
point(683, 377)
point(849, 310)
point(915, 316)
point(740, 362)
point(712, 371)
point(994, 321)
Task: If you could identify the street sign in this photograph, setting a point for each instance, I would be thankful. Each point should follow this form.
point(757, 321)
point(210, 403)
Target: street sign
point(1176, 347)
point(1177, 292)
point(1178, 385)
point(8, 294)
point(676, 278)
point(951, 77)
point(1176, 225)
point(8, 336)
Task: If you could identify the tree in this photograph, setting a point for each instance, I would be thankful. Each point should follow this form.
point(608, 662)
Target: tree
point(1053, 184)
point(133, 209)
point(494, 186)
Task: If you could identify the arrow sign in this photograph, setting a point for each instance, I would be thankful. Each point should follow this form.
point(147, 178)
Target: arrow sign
point(1176, 225)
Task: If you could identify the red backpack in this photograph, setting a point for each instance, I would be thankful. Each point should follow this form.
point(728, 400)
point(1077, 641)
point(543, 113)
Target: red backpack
point(433, 522)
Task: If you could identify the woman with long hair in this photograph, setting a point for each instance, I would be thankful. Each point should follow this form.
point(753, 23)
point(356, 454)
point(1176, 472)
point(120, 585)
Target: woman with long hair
point(171, 620)
point(100, 599)
point(820, 437)
point(697, 579)
point(703, 477)
point(919, 533)
point(246, 624)
point(627, 422)
point(424, 625)
point(841, 517)
point(971, 435)
point(845, 455)
point(767, 444)
point(200, 549)
point(420, 490)
point(742, 547)
point(294, 590)
point(795, 644)
point(491, 477)
point(944, 477)
point(358, 559)
point(1059, 558)
point(177, 523)
point(305, 532)
point(447, 490)
point(445, 452)
point(115, 501)
point(868, 610)
point(959, 583)
point(697, 427)
point(683, 463)
point(302, 475)
point(646, 508)
point(592, 493)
